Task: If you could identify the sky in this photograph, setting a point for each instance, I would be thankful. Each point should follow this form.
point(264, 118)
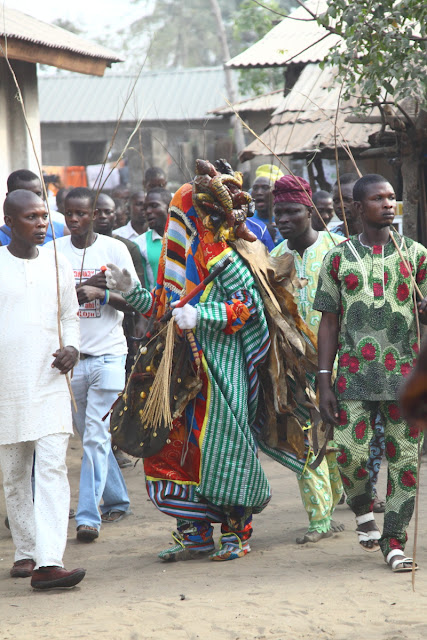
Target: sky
point(92, 15)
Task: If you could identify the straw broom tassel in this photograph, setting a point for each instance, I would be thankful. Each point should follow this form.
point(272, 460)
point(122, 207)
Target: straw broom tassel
point(157, 408)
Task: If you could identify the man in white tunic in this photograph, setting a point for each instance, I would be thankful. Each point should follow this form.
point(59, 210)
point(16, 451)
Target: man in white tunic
point(35, 410)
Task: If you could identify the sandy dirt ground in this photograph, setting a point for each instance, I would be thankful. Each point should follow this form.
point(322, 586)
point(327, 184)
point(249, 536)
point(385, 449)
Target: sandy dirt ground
point(331, 590)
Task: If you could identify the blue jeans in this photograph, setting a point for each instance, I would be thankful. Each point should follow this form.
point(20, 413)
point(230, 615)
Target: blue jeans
point(96, 382)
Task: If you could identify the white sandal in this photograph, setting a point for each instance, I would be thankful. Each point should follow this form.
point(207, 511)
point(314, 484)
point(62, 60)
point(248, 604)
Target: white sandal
point(368, 536)
point(396, 559)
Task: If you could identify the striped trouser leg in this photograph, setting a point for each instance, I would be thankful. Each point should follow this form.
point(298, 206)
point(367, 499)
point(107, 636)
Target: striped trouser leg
point(180, 501)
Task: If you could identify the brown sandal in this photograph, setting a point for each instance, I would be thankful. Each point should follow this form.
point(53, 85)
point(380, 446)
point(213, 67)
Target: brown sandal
point(86, 533)
point(115, 515)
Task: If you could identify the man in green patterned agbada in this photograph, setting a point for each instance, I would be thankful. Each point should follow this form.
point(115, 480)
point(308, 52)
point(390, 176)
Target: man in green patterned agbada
point(366, 296)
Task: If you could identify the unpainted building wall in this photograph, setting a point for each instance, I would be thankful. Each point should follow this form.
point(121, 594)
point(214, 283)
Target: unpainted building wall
point(15, 145)
point(174, 146)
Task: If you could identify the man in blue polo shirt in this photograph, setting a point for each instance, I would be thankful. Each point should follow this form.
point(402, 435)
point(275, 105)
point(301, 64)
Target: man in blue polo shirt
point(24, 179)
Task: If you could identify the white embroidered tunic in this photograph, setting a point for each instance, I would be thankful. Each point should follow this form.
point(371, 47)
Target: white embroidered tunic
point(34, 398)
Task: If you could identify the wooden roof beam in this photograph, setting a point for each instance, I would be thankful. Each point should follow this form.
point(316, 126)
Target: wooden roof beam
point(61, 58)
point(364, 119)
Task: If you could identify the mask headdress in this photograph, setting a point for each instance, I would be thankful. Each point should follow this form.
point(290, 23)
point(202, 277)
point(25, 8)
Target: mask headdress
point(220, 202)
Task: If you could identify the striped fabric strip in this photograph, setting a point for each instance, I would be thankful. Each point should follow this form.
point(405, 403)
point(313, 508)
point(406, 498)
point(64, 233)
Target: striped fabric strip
point(285, 458)
point(179, 501)
point(139, 298)
point(180, 234)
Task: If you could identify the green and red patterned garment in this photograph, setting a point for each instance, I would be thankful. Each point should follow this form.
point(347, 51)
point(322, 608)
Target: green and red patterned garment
point(371, 290)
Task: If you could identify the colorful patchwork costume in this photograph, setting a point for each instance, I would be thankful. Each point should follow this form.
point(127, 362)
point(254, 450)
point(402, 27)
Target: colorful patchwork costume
point(209, 471)
point(371, 290)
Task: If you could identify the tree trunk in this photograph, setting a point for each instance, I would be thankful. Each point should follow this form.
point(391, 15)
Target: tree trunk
point(239, 137)
point(411, 192)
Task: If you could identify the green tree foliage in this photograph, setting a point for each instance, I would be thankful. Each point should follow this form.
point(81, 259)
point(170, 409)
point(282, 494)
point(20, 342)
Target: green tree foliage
point(384, 56)
point(251, 22)
point(68, 25)
point(184, 34)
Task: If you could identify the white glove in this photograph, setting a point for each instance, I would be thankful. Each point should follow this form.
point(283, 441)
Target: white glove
point(186, 316)
point(118, 279)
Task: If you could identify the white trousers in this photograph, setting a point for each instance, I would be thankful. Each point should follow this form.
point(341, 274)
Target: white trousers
point(39, 527)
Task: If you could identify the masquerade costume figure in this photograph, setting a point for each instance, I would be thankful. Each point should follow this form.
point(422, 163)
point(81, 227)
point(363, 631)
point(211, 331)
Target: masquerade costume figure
point(208, 470)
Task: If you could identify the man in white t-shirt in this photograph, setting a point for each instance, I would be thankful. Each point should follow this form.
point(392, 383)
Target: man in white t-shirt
point(100, 374)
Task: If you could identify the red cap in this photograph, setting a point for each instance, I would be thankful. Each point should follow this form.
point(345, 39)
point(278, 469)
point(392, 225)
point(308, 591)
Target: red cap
point(292, 189)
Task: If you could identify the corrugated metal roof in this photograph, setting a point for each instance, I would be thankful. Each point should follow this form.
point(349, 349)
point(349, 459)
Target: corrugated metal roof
point(288, 41)
point(20, 26)
point(264, 102)
point(179, 94)
point(303, 138)
point(315, 89)
point(305, 120)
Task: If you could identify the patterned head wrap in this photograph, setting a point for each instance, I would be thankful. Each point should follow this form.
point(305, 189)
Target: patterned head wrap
point(290, 189)
point(268, 171)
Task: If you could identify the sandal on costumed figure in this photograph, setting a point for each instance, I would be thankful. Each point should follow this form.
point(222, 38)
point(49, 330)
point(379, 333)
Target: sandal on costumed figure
point(368, 532)
point(399, 563)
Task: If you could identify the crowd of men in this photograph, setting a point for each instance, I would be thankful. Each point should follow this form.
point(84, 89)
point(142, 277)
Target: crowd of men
point(81, 303)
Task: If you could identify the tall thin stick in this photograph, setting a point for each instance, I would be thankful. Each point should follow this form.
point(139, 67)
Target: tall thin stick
point(417, 495)
point(417, 490)
point(99, 183)
point(343, 142)
point(338, 166)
